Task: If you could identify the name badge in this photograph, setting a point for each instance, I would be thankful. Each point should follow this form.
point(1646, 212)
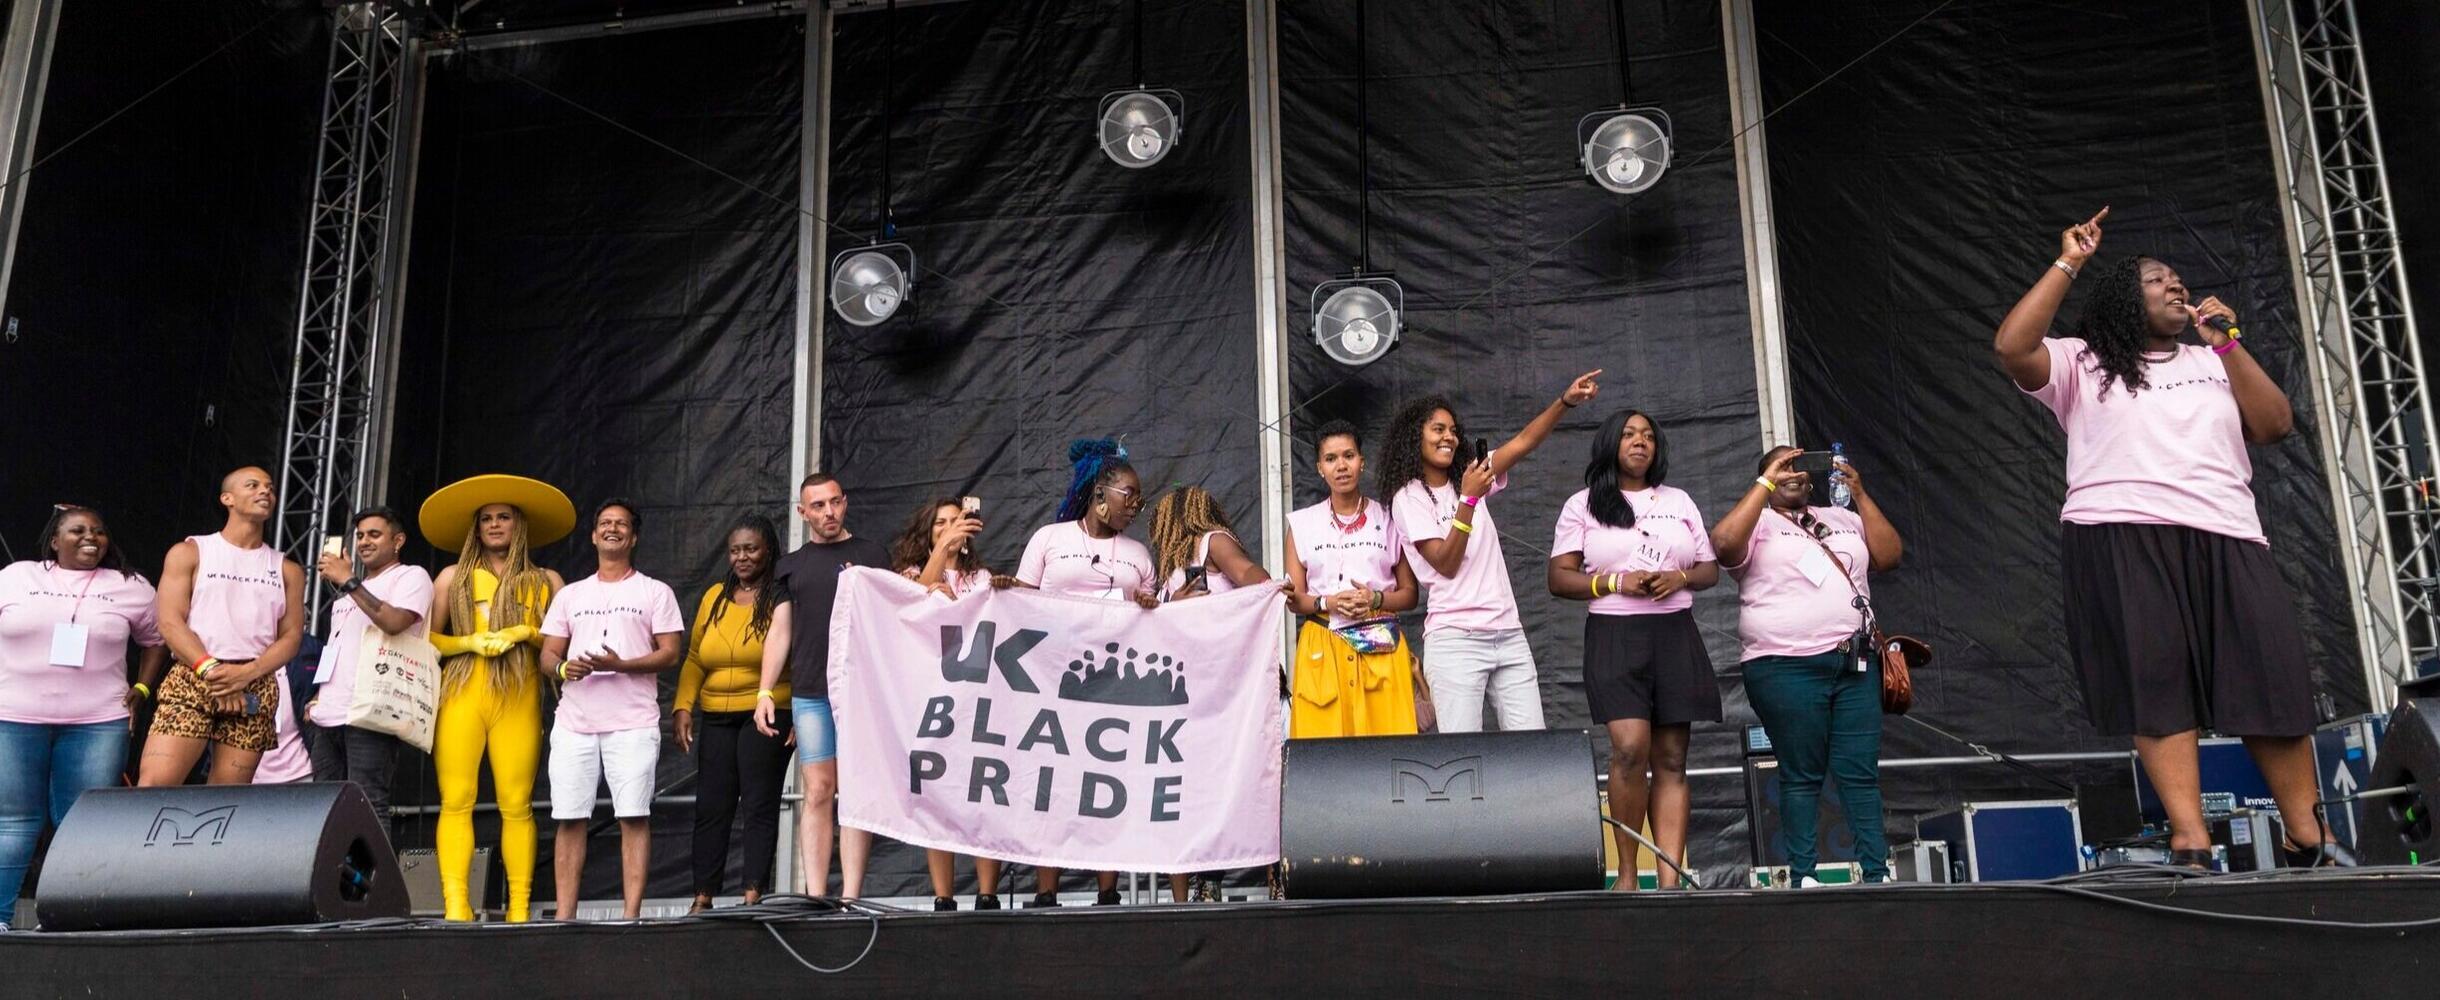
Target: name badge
point(68, 644)
point(1815, 564)
point(329, 664)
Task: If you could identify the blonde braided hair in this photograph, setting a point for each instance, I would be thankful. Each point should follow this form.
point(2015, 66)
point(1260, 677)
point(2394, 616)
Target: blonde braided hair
point(1179, 520)
point(519, 600)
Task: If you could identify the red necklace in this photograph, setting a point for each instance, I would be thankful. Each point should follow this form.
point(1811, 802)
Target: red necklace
point(1349, 527)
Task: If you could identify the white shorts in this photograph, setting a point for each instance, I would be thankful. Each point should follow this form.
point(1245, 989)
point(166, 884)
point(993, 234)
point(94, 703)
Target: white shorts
point(580, 762)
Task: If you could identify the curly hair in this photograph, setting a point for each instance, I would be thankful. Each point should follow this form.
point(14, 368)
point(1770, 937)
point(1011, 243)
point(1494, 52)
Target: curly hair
point(1096, 461)
point(1181, 518)
point(766, 599)
point(2115, 327)
point(913, 546)
point(1402, 446)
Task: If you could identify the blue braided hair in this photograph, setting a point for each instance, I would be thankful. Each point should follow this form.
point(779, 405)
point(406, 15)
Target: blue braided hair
point(1097, 461)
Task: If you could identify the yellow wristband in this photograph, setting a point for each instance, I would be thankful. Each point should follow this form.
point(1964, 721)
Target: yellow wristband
point(1767, 484)
point(1463, 526)
point(1596, 585)
point(765, 694)
point(205, 668)
point(563, 671)
point(143, 690)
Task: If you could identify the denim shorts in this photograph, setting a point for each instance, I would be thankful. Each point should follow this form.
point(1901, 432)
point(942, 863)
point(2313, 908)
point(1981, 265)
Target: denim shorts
point(817, 738)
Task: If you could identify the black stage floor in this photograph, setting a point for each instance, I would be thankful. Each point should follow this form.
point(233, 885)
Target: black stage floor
point(2104, 934)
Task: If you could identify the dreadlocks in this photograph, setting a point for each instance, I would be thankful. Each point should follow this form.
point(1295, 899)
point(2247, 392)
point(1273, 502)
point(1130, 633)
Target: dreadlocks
point(1402, 446)
point(2114, 326)
point(519, 600)
point(1181, 518)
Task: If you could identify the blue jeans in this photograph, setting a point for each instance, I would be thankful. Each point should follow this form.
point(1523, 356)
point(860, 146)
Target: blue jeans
point(1823, 718)
point(43, 768)
point(817, 737)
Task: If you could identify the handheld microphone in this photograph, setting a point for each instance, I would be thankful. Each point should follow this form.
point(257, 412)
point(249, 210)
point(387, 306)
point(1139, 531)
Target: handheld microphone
point(2222, 324)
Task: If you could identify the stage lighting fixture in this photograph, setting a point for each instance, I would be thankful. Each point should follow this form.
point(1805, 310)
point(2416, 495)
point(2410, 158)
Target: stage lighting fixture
point(1139, 127)
point(1628, 151)
point(868, 284)
point(1359, 320)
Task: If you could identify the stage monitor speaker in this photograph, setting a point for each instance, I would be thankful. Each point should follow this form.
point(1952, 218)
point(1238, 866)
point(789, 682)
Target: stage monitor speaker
point(2398, 829)
point(219, 856)
point(1459, 814)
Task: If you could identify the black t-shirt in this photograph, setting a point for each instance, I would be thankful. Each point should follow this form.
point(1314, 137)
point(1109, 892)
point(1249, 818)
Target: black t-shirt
point(811, 575)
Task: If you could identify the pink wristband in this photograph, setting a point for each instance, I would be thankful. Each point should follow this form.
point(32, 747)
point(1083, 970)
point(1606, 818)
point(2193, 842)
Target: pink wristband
point(2225, 346)
point(1471, 501)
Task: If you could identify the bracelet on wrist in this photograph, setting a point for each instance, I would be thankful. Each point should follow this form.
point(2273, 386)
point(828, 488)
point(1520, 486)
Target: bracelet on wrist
point(765, 694)
point(2065, 268)
point(2225, 346)
point(204, 669)
point(1463, 526)
point(1766, 484)
point(1470, 501)
point(143, 689)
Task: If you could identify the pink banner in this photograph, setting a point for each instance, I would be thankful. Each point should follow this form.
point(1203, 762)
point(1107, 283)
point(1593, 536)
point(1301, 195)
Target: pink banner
point(1057, 730)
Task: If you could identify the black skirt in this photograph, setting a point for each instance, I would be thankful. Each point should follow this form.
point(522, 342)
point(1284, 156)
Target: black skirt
point(1650, 667)
point(2174, 629)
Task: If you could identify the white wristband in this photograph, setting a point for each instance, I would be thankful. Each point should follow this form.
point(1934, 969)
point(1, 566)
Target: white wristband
point(2063, 267)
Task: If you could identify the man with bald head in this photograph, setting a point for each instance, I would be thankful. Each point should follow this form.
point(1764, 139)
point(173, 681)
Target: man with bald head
point(233, 612)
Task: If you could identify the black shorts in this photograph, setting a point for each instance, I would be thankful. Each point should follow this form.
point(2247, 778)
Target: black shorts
point(2173, 629)
point(1651, 667)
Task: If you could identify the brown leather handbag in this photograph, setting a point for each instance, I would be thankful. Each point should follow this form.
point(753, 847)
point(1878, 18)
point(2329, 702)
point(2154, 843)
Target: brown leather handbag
point(1900, 655)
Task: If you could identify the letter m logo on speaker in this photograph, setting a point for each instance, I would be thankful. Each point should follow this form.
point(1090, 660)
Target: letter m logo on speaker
point(182, 827)
point(1436, 779)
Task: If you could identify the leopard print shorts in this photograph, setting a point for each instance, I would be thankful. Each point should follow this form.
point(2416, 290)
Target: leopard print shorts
point(185, 709)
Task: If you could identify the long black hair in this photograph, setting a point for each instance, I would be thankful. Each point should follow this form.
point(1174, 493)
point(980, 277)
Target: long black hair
point(1608, 505)
point(1096, 461)
point(112, 558)
point(768, 597)
point(1402, 446)
point(913, 546)
point(2115, 326)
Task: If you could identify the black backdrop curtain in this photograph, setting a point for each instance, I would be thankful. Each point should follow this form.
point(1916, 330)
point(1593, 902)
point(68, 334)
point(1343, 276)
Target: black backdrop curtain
point(1476, 195)
point(1918, 195)
point(156, 273)
point(592, 310)
point(1060, 295)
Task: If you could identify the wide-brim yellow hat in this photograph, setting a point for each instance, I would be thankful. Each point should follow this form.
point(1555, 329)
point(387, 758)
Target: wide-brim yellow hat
point(449, 513)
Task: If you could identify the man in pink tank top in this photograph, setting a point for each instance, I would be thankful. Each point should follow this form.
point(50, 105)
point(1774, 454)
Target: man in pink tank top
point(233, 612)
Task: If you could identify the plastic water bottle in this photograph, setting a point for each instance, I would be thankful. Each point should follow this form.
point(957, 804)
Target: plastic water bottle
point(1839, 493)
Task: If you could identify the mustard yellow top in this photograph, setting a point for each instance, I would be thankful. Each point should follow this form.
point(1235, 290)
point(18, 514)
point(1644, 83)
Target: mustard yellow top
point(723, 667)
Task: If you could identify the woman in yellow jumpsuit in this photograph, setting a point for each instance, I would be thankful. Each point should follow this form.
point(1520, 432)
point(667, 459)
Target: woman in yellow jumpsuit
point(486, 624)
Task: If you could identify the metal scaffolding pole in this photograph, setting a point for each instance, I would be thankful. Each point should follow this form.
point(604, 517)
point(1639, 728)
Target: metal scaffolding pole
point(2359, 328)
point(343, 331)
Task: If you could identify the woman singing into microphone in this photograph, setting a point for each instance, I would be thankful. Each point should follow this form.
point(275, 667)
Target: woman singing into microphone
point(2176, 615)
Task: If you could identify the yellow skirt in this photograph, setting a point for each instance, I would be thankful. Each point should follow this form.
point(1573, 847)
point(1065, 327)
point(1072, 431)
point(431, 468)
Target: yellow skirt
point(1337, 691)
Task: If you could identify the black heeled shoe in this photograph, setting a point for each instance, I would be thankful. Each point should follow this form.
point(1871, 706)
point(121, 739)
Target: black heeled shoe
point(1044, 899)
point(986, 902)
point(944, 904)
point(1108, 897)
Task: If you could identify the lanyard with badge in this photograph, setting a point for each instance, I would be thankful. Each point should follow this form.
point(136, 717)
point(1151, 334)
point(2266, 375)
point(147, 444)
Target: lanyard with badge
point(68, 637)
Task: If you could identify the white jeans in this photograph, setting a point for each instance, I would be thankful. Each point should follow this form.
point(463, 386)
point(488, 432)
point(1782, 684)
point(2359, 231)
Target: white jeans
point(1461, 664)
point(580, 762)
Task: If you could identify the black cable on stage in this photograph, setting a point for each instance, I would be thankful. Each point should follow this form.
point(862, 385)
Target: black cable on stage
point(780, 908)
point(141, 98)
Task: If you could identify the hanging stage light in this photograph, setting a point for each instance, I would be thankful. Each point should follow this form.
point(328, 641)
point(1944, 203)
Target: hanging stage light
point(1628, 151)
point(1360, 320)
point(1139, 127)
point(868, 284)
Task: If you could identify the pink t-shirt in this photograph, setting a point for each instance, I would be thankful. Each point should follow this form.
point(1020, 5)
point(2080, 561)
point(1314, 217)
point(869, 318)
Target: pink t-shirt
point(1478, 598)
point(1791, 602)
point(1668, 534)
point(1214, 582)
point(38, 597)
point(960, 583)
point(399, 586)
point(287, 760)
point(2173, 453)
point(622, 617)
point(1062, 559)
point(238, 598)
point(1339, 559)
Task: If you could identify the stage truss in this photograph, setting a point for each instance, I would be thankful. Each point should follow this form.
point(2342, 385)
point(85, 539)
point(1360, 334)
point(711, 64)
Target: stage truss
point(343, 368)
point(2358, 326)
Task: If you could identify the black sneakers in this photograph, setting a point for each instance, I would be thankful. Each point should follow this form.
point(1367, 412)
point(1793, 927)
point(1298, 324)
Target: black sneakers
point(944, 904)
point(987, 902)
point(1043, 899)
point(1108, 897)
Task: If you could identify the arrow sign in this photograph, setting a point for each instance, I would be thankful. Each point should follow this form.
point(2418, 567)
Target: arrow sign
point(2342, 781)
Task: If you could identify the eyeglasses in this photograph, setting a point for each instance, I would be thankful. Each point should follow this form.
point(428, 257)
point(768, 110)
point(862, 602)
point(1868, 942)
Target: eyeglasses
point(1128, 498)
